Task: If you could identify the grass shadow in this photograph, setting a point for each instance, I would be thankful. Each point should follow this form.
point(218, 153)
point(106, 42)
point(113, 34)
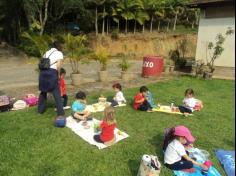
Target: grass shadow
point(133, 166)
point(2, 93)
point(157, 142)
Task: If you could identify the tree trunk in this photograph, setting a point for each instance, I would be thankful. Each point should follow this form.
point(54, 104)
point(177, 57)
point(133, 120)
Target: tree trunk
point(175, 21)
point(143, 27)
point(193, 24)
point(118, 26)
point(168, 24)
point(126, 26)
point(151, 24)
point(107, 26)
point(44, 20)
point(103, 21)
point(96, 20)
point(135, 23)
point(159, 24)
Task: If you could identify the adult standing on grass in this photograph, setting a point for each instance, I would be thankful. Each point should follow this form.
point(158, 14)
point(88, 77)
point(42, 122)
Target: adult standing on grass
point(49, 79)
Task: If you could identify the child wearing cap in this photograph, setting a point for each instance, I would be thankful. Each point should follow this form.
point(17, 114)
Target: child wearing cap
point(175, 156)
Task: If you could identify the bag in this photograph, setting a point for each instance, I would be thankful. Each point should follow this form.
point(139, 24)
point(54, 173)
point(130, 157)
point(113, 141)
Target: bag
point(227, 160)
point(149, 166)
point(168, 137)
point(31, 99)
point(44, 63)
point(5, 103)
point(19, 104)
point(60, 122)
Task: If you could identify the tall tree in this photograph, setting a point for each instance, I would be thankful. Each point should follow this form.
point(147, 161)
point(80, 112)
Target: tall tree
point(38, 12)
point(97, 3)
point(127, 8)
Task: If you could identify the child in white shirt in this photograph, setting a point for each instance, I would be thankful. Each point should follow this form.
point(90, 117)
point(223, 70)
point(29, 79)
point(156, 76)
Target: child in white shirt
point(175, 156)
point(189, 103)
point(119, 97)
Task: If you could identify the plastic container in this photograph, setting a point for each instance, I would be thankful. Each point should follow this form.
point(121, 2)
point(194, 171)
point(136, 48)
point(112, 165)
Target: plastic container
point(152, 66)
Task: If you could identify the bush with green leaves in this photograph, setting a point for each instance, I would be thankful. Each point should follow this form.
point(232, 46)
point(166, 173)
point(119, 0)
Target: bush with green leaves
point(102, 56)
point(115, 34)
point(124, 65)
point(76, 50)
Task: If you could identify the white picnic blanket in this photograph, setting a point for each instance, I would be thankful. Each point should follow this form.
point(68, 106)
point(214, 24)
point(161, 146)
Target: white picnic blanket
point(87, 134)
point(99, 107)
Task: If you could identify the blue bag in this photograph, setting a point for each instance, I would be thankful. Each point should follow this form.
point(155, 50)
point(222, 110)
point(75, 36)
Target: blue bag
point(227, 159)
point(60, 122)
point(150, 99)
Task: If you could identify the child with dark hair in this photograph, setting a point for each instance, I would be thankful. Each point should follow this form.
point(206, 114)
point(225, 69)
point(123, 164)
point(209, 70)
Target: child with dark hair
point(63, 88)
point(79, 107)
point(190, 103)
point(175, 155)
point(140, 100)
point(119, 97)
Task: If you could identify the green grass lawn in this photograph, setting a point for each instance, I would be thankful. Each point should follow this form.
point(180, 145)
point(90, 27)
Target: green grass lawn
point(31, 145)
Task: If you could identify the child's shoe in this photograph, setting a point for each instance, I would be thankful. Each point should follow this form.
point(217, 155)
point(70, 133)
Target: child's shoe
point(189, 170)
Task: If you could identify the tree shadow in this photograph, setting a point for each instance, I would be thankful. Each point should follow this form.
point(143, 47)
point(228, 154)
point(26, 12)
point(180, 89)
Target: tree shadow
point(134, 166)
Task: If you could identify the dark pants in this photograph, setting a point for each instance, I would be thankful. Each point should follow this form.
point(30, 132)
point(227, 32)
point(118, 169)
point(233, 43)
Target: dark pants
point(48, 82)
point(64, 100)
point(180, 165)
point(112, 101)
point(183, 109)
point(145, 106)
point(97, 138)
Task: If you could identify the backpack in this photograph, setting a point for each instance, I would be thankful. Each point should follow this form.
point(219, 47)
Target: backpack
point(149, 166)
point(44, 63)
point(5, 103)
point(168, 137)
point(31, 99)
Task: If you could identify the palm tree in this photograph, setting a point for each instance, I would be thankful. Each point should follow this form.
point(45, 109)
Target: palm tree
point(140, 17)
point(97, 3)
point(127, 8)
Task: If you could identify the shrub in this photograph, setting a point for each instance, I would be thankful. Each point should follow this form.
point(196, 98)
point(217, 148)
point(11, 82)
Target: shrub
point(115, 35)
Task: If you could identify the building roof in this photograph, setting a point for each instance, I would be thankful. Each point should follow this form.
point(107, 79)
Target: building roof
point(204, 3)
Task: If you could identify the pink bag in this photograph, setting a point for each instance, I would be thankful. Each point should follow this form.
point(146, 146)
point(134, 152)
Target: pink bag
point(31, 99)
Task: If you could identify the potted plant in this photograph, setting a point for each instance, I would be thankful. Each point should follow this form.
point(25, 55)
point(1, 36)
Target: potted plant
point(215, 50)
point(101, 55)
point(167, 65)
point(124, 65)
point(76, 52)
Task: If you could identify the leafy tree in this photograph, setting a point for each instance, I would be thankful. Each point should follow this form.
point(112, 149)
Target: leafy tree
point(76, 50)
point(127, 8)
point(37, 11)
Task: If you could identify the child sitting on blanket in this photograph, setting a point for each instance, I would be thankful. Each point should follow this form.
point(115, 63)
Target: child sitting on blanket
point(190, 103)
point(175, 155)
point(140, 100)
point(107, 127)
point(79, 107)
point(119, 97)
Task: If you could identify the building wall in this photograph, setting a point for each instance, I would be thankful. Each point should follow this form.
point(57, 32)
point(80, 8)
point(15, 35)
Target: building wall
point(209, 27)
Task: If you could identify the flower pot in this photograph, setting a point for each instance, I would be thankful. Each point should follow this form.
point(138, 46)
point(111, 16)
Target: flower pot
point(171, 68)
point(103, 76)
point(126, 76)
point(207, 75)
point(167, 69)
point(77, 79)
